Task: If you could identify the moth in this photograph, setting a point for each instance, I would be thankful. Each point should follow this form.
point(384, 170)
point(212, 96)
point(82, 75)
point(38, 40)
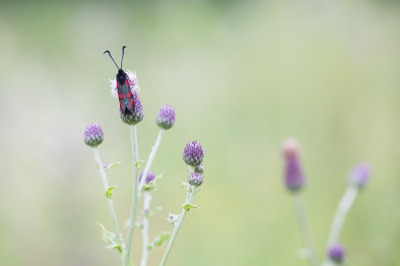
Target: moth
point(125, 95)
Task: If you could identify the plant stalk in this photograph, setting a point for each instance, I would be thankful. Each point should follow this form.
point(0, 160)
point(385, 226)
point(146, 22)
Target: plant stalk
point(109, 200)
point(145, 228)
point(338, 220)
point(135, 196)
point(189, 197)
point(305, 229)
point(151, 159)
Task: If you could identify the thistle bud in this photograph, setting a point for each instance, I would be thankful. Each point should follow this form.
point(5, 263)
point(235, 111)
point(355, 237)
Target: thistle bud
point(93, 135)
point(199, 169)
point(359, 176)
point(166, 117)
point(137, 116)
point(150, 177)
point(193, 154)
point(293, 174)
point(195, 179)
point(336, 253)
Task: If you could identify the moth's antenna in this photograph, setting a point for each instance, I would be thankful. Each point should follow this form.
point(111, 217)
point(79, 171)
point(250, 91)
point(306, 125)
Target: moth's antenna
point(122, 59)
point(108, 52)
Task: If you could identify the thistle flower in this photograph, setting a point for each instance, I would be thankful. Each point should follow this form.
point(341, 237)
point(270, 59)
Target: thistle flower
point(137, 116)
point(199, 169)
point(193, 154)
point(150, 177)
point(336, 253)
point(134, 84)
point(359, 176)
point(293, 174)
point(195, 179)
point(93, 135)
point(166, 117)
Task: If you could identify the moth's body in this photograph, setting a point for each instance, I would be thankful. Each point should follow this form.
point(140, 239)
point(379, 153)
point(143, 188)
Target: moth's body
point(125, 95)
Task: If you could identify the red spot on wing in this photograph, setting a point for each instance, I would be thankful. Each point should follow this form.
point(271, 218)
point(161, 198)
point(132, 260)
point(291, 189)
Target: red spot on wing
point(130, 103)
point(127, 83)
point(120, 95)
point(129, 94)
point(117, 84)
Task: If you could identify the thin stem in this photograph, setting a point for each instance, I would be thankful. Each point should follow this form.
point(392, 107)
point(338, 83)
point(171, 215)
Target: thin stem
point(328, 262)
point(343, 207)
point(305, 229)
point(135, 197)
point(151, 159)
point(145, 229)
point(109, 200)
point(178, 225)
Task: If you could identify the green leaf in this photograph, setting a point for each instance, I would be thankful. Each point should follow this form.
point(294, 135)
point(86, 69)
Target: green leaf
point(188, 206)
point(137, 163)
point(113, 165)
point(111, 239)
point(160, 239)
point(153, 184)
point(149, 186)
point(154, 211)
point(109, 191)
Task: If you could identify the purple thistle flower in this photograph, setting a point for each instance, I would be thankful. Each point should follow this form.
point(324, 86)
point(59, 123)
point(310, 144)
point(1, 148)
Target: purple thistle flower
point(166, 117)
point(137, 116)
point(337, 253)
point(293, 174)
point(193, 154)
point(199, 169)
point(150, 177)
point(195, 179)
point(359, 176)
point(93, 135)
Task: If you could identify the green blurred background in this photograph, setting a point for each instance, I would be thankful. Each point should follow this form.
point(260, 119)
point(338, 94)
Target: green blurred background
point(242, 76)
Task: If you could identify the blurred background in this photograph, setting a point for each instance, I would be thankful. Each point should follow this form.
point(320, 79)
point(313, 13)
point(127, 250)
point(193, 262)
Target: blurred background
point(242, 76)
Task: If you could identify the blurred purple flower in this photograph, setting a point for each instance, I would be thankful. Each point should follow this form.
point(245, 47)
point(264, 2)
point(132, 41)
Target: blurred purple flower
point(360, 174)
point(293, 174)
point(150, 177)
point(193, 154)
point(336, 253)
point(166, 117)
point(195, 179)
point(93, 135)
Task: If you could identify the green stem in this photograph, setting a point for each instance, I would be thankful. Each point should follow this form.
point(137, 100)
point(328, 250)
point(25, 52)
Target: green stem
point(189, 197)
point(338, 220)
point(109, 200)
point(145, 228)
point(151, 159)
point(135, 159)
point(305, 229)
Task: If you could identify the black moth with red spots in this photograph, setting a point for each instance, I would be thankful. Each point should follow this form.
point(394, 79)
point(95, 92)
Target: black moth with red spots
point(125, 95)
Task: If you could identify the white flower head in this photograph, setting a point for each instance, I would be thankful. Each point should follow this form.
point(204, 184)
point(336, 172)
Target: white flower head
point(133, 80)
